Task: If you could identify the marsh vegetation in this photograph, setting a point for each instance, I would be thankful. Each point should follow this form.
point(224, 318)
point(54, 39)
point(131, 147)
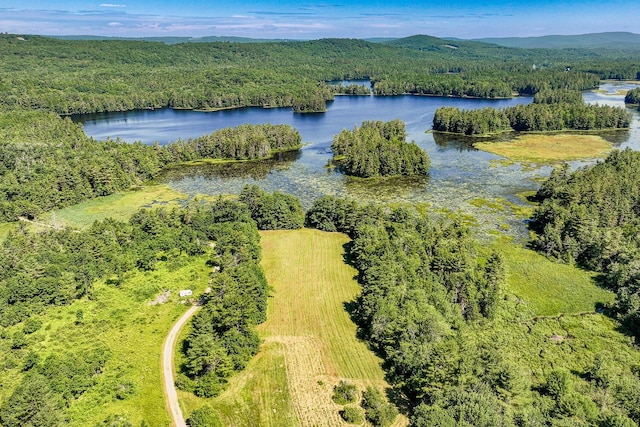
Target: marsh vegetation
point(411, 294)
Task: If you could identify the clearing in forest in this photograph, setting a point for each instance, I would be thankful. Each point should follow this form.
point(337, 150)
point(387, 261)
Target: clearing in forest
point(309, 339)
point(547, 287)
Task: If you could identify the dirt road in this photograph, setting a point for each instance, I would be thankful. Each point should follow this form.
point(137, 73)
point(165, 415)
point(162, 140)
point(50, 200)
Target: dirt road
point(168, 371)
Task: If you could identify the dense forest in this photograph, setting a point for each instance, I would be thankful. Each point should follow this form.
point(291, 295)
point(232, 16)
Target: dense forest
point(85, 76)
point(47, 162)
point(433, 305)
point(552, 110)
point(591, 217)
point(633, 96)
point(378, 149)
point(276, 211)
point(223, 339)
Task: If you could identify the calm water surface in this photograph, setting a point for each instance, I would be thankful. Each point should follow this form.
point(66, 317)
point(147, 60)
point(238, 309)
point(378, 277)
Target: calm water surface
point(459, 174)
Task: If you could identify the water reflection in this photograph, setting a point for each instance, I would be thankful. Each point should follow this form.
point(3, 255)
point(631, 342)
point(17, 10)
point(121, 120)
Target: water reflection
point(255, 170)
point(459, 173)
point(449, 141)
point(617, 138)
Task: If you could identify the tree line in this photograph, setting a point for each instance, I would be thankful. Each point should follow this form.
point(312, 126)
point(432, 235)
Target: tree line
point(378, 149)
point(591, 217)
point(223, 339)
point(275, 211)
point(47, 162)
point(551, 111)
point(487, 83)
point(243, 142)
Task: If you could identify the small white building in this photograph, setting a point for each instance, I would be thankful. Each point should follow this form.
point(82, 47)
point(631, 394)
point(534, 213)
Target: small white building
point(186, 293)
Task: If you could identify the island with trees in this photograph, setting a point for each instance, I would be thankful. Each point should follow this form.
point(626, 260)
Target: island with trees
point(378, 149)
point(340, 310)
point(633, 97)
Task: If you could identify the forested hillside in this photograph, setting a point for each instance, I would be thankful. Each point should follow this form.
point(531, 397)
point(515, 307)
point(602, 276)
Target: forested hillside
point(609, 40)
point(84, 76)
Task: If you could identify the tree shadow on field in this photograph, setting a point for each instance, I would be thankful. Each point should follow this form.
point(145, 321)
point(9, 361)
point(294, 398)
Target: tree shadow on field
point(351, 307)
point(346, 254)
point(398, 398)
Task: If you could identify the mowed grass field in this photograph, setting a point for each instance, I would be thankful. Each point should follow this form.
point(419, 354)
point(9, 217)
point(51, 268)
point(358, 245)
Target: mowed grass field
point(309, 339)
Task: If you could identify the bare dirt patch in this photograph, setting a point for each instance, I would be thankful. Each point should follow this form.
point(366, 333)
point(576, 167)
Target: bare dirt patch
point(160, 299)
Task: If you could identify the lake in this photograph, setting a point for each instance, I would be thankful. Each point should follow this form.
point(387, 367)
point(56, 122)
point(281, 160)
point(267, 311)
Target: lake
point(460, 178)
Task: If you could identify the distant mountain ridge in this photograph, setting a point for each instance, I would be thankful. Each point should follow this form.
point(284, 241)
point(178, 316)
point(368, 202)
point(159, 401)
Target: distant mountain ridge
point(175, 40)
point(425, 42)
point(610, 40)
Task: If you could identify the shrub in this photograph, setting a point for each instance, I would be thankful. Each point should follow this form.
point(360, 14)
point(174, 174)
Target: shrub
point(209, 385)
point(377, 410)
point(125, 390)
point(31, 326)
point(344, 393)
point(185, 383)
point(204, 417)
point(352, 415)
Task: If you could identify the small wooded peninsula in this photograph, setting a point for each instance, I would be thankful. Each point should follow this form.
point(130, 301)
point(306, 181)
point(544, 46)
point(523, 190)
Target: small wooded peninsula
point(551, 110)
point(346, 310)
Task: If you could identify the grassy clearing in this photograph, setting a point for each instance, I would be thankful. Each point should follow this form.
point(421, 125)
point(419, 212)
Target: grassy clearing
point(118, 206)
point(132, 331)
point(309, 340)
point(545, 148)
point(546, 287)
point(5, 228)
point(570, 342)
point(538, 346)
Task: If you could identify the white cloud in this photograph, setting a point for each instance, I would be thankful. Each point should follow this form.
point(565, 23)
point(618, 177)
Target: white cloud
point(115, 24)
point(112, 5)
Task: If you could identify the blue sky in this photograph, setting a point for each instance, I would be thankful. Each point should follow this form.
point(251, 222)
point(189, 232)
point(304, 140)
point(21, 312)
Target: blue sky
point(308, 20)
